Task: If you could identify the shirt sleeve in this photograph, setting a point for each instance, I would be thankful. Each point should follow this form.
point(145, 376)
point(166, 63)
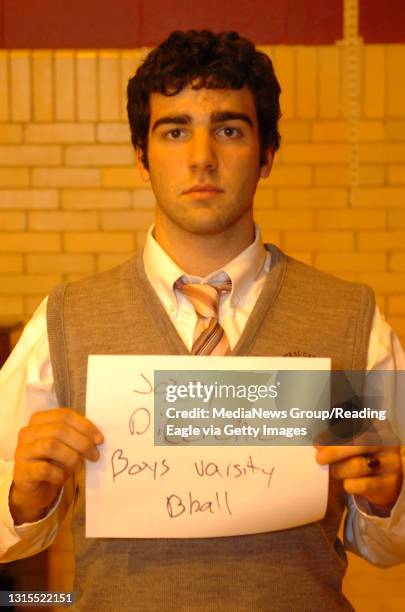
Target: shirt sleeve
point(380, 540)
point(26, 385)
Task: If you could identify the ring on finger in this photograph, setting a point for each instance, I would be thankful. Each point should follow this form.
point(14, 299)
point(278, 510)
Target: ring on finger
point(373, 463)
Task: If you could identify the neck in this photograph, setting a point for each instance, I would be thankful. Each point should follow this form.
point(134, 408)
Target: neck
point(200, 255)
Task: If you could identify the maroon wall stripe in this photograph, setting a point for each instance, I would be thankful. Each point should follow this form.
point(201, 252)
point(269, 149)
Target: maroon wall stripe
point(382, 22)
point(2, 41)
point(130, 23)
point(40, 24)
point(264, 21)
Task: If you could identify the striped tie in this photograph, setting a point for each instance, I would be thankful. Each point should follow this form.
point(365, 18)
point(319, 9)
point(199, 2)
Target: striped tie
point(209, 335)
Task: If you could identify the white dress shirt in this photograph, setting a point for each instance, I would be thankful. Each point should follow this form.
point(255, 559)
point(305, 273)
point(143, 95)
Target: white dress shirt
point(26, 385)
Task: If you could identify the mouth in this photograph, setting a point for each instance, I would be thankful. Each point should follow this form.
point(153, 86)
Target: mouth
point(203, 192)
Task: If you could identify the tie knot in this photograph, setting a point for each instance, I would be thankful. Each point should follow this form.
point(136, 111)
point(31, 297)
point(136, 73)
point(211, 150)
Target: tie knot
point(204, 297)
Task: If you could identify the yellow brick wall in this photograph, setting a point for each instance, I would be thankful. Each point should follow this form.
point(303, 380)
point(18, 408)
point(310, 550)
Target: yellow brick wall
point(71, 202)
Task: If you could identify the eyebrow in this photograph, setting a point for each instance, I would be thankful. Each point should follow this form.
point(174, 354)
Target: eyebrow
point(216, 117)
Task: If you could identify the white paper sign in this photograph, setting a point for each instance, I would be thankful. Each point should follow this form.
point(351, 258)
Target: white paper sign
point(138, 490)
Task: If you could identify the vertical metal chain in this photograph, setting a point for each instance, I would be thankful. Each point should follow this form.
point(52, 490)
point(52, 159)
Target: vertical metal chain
point(352, 43)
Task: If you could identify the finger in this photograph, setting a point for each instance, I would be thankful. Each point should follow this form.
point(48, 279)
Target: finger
point(331, 454)
point(358, 467)
point(52, 450)
point(64, 433)
point(368, 487)
point(70, 417)
point(43, 471)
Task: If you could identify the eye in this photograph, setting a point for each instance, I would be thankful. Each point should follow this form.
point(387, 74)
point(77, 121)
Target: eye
point(175, 134)
point(229, 132)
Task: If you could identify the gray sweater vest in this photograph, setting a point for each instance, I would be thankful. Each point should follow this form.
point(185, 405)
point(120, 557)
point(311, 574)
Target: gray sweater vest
point(301, 311)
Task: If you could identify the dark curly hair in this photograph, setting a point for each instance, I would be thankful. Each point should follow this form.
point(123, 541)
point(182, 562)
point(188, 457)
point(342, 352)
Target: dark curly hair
point(215, 61)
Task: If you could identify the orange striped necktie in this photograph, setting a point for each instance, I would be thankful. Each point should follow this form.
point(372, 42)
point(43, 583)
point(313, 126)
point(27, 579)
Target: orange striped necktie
point(209, 335)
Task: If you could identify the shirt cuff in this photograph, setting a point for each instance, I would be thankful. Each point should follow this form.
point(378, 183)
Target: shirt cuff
point(366, 509)
point(31, 536)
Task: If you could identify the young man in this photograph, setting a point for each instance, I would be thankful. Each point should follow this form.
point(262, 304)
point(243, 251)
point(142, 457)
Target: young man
point(203, 111)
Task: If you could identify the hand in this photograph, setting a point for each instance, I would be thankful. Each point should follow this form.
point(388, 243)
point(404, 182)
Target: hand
point(50, 449)
point(378, 480)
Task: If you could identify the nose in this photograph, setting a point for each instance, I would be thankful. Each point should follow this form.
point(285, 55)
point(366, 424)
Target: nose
point(202, 152)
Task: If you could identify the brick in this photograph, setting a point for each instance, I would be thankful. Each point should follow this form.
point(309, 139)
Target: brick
point(29, 198)
point(395, 57)
point(338, 131)
point(10, 133)
point(113, 132)
point(122, 177)
point(12, 221)
point(31, 303)
point(65, 85)
point(319, 241)
point(11, 263)
point(66, 177)
point(384, 282)
point(62, 263)
point(30, 155)
point(284, 64)
point(395, 129)
point(312, 198)
point(381, 241)
point(130, 60)
point(396, 175)
point(398, 325)
point(63, 221)
point(396, 304)
point(281, 175)
point(106, 262)
point(86, 85)
point(374, 81)
point(126, 220)
point(25, 284)
point(100, 155)
point(143, 198)
point(30, 243)
point(295, 131)
point(264, 198)
point(384, 197)
point(340, 175)
point(396, 219)
point(315, 154)
point(50, 133)
point(397, 262)
point(99, 242)
point(351, 219)
point(385, 153)
point(4, 86)
point(11, 305)
point(20, 86)
point(307, 76)
point(284, 219)
point(350, 262)
point(109, 86)
point(330, 104)
point(83, 199)
point(14, 177)
point(42, 85)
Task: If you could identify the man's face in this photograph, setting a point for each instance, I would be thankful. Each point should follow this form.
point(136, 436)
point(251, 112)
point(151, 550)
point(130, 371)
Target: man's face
point(203, 154)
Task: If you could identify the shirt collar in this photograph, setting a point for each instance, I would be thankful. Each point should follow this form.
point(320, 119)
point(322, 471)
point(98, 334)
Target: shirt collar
point(163, 272)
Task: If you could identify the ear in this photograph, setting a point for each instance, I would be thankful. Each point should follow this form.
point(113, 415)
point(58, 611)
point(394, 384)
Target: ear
point(142, 170)
point(265, 169)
